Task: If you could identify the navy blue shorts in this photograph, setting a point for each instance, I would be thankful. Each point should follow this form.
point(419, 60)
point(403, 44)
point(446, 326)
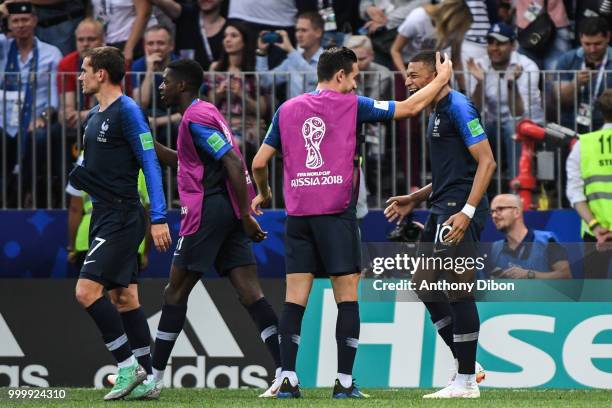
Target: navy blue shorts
point(220, 240)
point(115, 233)
point(431, 245)
point(323, 244)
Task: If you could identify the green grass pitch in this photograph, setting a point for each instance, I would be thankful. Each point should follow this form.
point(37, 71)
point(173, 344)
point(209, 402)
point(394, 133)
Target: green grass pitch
point(321, 397)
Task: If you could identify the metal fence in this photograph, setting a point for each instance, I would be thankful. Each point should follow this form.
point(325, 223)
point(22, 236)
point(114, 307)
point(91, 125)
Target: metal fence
point(37, 160)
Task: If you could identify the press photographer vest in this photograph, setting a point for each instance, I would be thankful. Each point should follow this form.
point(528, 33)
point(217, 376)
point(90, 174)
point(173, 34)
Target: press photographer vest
point(536, 260)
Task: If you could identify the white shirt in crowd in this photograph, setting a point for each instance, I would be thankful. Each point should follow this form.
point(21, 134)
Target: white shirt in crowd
point(420, 32)
point(118, 17)
point(280, 13)
point(527, 86)
point(575, 184)
point(395, 10)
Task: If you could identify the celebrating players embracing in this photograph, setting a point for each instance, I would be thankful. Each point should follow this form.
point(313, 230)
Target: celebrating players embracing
point(316, 133)
point(462, 165)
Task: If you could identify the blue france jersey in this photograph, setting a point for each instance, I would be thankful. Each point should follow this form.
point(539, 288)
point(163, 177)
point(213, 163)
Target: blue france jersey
point(118, 143)
point(368, 110)
point(453, 127)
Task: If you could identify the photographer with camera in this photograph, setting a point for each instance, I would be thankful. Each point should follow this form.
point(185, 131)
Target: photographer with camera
point(524, 253)
point(299, 68)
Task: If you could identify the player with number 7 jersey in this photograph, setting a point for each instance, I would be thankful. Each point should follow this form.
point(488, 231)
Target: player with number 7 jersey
point(117, 144)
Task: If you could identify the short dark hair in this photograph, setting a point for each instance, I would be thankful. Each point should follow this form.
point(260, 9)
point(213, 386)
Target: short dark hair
point(110, 59)
point(427, 58)
point(189, 71)
point(333, 60)
point(604, 104)
point(315, 19)
point(593, 26)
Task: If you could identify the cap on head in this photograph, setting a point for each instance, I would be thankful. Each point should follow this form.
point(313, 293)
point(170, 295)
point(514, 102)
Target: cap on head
point(502, 32)
point(22, 7)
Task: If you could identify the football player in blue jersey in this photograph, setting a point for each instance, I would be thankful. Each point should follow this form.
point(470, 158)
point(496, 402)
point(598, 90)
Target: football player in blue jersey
point(462, 165)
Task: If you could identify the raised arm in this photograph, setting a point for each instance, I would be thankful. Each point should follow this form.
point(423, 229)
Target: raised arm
point(171, 8)
point(416, 103)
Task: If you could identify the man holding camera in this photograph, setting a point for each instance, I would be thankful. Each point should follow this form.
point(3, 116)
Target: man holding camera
point(309, 32)
point(524, 253)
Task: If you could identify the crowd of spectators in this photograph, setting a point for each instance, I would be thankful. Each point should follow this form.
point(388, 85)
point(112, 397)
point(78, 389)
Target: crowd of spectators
point(260, 53)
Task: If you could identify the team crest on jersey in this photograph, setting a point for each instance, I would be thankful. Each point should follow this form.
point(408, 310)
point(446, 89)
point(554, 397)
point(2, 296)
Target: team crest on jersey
point(102, 133)
point(435, 132)
point(313, 131)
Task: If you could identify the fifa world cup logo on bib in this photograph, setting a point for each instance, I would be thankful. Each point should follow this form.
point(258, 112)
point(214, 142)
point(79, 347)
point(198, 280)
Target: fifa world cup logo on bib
point(313, 131)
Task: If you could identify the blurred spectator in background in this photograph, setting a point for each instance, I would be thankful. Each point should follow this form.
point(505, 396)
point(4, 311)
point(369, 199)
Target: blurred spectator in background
point(431, 27)
point(158, 46)
point(299, 69)
point(579, 91)
point(57, 21)
point(382, 17)
point(526, 13)
point(235, 93)
point(124, 23)
point(269, 15)
point(28, 89)
point(589, 190)
point(199, 28)
point(340, 16)
point(89, 34)
point(505, 11)
point(374, 81)
point(508, 81)
point(579, 10)
point(474, 45)
point(523, 253)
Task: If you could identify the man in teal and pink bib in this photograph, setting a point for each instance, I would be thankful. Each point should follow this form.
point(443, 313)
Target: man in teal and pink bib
point(316, 133)
point(217, 227)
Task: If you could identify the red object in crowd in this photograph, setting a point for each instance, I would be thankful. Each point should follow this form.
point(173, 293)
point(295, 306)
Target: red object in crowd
point(525, 182)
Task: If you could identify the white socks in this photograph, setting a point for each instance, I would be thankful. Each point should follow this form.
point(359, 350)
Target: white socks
point(462, 380)
point(345, 379)
point(158, 375)
point(127, 362)
point(292, 377)
point(277, 374)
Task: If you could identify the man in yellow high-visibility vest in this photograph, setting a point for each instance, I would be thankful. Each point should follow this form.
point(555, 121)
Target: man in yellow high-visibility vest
point(589, 189)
